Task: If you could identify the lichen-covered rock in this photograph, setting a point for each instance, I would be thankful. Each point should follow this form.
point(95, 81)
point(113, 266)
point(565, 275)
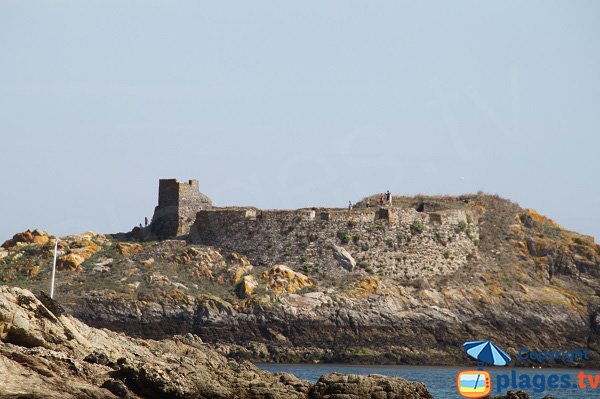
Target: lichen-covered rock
point(246, 287)
point(367, 286)
point(84, 248)
point(70, 261)
point(282, 279)
point(129, 249)
point(341, 386)
point(37, 236)
point(236, 258)
point(237, 272)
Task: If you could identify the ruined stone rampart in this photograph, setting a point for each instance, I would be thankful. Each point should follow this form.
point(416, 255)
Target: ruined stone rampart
point(389, 241)
point(178, 203)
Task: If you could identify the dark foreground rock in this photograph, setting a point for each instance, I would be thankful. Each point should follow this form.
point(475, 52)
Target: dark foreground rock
point(340, 386)
point(53, 355)
point(517, 395)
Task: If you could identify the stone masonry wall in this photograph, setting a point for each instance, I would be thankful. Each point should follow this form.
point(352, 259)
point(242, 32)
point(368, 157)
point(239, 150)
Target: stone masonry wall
point(388, 241)
point(178, 203)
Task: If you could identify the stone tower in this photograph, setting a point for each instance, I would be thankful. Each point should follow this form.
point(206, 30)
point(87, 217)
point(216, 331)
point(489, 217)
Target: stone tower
point(178, 203)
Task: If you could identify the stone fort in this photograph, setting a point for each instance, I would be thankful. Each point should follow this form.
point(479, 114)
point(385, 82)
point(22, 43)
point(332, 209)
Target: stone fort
point(404, 241)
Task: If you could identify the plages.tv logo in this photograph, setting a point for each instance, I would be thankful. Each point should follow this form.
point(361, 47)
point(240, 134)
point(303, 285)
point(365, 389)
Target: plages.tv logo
point(473, 383)
point(478, 383)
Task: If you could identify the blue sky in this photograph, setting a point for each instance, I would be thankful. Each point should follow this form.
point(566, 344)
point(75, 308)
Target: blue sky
point(293, 104)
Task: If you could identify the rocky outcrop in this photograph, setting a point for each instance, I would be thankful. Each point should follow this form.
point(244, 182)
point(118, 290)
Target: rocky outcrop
point(128, 249)
point(340, 386)
point(423, 283)
point(70, 262)
point(344, 258)
point(246, 287)
point(48, 355)
point(283, 279)
point(77, 250)
point(518, 395)
point(37, 236)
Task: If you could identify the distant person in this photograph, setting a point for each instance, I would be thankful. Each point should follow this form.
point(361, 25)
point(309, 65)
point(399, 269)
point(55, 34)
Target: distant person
point(349, 205)
point(146, 221)
point(389, 198)
point(381, 200)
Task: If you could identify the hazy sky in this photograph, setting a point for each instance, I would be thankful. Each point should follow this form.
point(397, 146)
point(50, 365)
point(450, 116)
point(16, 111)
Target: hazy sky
point(285, 104)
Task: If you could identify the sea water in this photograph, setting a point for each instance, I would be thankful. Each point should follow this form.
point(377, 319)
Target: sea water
point(441, 381)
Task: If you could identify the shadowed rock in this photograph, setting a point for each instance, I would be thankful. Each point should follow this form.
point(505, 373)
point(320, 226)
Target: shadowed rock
point(341, 386)
point(56, 356)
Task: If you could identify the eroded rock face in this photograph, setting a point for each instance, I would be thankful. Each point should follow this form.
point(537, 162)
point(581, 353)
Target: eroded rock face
point(48, 355)
point(36, 236)
point(344, 258)
point(246, 287)
point(513, 273)
point(340, 386)
point(70, 262)
point(129, 249)
point(282, 279)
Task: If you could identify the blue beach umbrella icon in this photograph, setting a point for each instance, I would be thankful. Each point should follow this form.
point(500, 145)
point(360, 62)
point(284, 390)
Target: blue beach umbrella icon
point(486, 352)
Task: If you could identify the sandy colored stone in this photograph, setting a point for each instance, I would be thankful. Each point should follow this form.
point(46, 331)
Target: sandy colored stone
point(128, 249)
point(246, 287)
point(281, 278)
point(70, 261)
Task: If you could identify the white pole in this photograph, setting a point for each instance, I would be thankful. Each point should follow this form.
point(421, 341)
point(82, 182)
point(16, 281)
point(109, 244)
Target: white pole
point(53, 270)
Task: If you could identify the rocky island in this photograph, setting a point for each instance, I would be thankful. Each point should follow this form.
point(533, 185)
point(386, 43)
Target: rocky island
point(405, 282)
point(45, 353)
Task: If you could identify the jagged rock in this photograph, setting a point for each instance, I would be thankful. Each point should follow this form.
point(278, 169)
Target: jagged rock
point(70, 262)
point(52, 305)
point(80, 248)
point(246, 287)
point(44, 355)
point(129, 249)
point(237, 273)
point(84, 248)
point(344, 258)
point(148, 262)
point(368, 285)
point(116, 387)
point(340, 386)
point(97, 358)
point(240, 259)
point(594, 312)
point(517, 395)
point(37, 236)
point(283, 279)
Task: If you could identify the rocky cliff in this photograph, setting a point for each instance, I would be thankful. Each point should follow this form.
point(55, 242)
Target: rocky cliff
point(47, 354)
point(408, 289)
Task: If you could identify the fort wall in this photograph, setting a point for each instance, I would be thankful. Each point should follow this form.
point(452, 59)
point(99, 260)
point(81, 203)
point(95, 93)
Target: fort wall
point(387, 241)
